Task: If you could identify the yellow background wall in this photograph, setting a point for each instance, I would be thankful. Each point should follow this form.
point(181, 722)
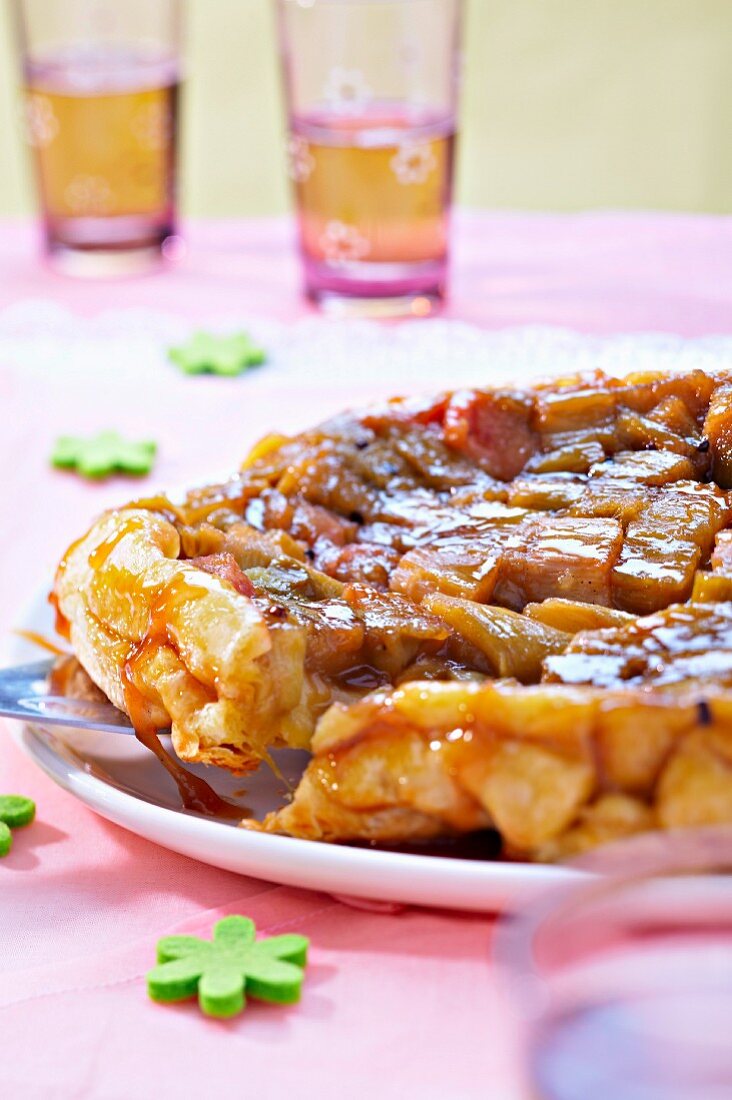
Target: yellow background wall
point(568, 104)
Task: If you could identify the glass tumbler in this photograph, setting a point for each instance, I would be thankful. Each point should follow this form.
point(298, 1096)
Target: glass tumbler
point(372, 94)
point(101, 102)
point(623, 978)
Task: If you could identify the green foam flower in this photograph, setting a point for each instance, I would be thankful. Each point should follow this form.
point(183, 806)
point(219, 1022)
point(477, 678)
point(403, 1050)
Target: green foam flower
point(209, 353)
point(15, 812)
point(222, 971)
point(103, 454)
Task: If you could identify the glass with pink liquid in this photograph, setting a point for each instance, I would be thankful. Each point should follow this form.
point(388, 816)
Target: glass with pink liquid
point(372, 93)
point(101, 96)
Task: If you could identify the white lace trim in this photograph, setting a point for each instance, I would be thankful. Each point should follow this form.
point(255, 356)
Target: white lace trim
point(44, 338)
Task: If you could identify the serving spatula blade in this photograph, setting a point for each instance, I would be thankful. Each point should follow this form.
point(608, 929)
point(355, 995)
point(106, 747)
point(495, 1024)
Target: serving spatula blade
point(25, 695)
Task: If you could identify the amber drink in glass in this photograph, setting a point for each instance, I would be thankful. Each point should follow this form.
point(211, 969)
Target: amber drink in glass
point(372, 88)
point(101, 84)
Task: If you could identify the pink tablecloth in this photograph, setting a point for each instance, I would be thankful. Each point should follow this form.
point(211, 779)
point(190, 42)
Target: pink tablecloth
point(394, 1005)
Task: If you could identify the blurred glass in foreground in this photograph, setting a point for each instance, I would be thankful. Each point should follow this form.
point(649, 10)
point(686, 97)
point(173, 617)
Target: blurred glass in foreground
point(372, 95)
point(101, 95)
point(624, 981)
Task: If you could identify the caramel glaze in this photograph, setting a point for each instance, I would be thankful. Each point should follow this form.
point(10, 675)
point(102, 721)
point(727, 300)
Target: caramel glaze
point(61, 623)
point(195, 793)
point(361, 678)
point(69, 679)
point(40, 640)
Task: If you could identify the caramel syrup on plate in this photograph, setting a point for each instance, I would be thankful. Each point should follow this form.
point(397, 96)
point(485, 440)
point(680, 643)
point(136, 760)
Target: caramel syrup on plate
point(484, 845)
point(195, 793)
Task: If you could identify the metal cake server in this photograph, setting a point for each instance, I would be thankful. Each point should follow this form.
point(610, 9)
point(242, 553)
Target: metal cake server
point(24, 695)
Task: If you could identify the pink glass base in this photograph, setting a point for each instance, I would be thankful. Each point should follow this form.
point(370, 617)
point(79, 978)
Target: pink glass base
point(98, 247)
point(383, 289)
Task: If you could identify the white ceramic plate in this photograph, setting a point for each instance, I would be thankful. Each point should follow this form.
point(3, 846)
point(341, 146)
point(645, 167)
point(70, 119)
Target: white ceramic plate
point(123, 782)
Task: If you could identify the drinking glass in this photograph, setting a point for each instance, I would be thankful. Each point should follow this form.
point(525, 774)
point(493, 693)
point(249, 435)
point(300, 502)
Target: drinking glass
point(101, 97)
point(623, 978)
point(372, 93)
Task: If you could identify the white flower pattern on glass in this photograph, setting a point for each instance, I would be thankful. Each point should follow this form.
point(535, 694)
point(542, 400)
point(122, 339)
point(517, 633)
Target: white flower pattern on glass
point(150, 125)
point(300, 161)
point(413, 163)
point(342, 243)
point(89, 196)
point(41, 124)
point(346, 91)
